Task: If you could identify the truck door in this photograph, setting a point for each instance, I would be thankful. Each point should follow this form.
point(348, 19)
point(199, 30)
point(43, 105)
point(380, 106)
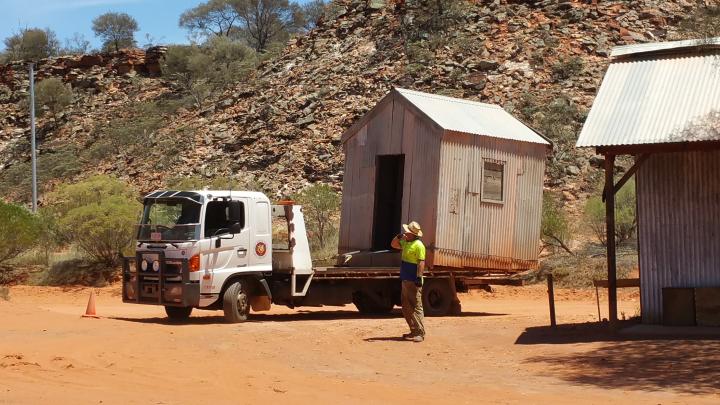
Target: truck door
point(261, 237)
point(229, 241)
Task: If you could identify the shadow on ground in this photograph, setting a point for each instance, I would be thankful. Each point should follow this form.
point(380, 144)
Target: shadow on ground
point(299, 316)
point(688, 365)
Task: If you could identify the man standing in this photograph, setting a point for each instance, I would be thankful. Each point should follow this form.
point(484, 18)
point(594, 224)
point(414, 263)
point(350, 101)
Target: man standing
point(411, 276)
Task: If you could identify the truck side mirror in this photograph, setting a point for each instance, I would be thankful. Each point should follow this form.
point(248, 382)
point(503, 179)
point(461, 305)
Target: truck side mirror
point(236, 212)
point(235, 227)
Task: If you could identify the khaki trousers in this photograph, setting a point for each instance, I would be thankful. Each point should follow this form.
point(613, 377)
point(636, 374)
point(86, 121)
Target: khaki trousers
point(411, 299)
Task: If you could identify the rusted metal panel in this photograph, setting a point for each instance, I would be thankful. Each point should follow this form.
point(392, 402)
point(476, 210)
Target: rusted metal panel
point(455, 159)
point(473, 232)
point(346, 205)
point(412, 136)
point(398, 123)
point(380, 132)
point(678, 225)
point(359, 193)
point(423, 192)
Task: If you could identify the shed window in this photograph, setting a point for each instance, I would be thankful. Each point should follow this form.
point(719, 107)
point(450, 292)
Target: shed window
point(493, 181)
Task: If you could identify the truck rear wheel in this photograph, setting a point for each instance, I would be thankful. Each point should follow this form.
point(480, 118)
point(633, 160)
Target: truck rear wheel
point(366, 305)
point(236, 302)
point(437, 297)
point(178, 313)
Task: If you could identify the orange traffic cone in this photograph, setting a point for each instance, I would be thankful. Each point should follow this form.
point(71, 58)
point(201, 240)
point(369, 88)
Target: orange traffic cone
point(90, 311)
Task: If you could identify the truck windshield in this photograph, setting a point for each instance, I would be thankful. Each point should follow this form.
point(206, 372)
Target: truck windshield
point(170, 220)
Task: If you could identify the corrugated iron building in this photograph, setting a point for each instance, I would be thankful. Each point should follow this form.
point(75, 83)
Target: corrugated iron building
point(661, 104)
point(468, 172)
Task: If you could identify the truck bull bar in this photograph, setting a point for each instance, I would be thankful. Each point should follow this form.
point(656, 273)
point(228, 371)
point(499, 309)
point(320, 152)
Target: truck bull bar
point(170, 285)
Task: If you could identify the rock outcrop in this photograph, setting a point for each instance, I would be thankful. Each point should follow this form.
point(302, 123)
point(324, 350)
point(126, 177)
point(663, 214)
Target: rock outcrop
point(281, 129)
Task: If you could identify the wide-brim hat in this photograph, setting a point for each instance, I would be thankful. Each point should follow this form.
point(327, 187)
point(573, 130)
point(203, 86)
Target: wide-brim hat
point(414, 228)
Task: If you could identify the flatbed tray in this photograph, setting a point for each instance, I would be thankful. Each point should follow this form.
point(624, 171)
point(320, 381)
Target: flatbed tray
point(483, 276)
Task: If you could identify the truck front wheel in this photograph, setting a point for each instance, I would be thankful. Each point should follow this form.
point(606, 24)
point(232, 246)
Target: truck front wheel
point(236, 302)
point(178, 314)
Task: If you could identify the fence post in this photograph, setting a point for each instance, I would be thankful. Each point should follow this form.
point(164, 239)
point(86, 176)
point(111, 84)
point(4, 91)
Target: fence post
point(551, 299)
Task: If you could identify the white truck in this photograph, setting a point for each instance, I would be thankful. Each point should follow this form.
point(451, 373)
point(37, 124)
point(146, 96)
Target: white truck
point(235, 251)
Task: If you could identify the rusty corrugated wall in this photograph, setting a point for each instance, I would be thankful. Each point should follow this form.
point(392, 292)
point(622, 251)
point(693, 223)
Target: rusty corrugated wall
point(394, 130)
point(473, 232)
point(678, 225)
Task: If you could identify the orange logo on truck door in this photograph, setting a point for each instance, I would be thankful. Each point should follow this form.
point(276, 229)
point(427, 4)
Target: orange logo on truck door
point(260, 249)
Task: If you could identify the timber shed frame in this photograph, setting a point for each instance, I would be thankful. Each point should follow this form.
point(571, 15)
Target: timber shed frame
point(660, 103)
point(470, 173)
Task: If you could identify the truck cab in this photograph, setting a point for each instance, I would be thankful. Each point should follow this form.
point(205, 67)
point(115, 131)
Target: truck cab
point(213, 249)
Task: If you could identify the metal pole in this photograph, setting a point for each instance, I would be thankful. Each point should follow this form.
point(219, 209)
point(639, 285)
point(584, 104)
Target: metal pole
point(610, 237)
point(32, 138)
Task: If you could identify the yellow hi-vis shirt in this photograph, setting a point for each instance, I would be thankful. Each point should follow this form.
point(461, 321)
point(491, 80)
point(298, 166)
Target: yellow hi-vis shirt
point(412, 252)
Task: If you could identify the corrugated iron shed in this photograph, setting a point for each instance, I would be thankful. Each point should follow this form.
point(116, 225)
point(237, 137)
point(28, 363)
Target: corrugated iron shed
point(657, 93)
point(661, 104)
point(468, 172)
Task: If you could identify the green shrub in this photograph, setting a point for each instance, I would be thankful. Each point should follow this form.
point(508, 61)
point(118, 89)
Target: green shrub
point(567, 68)
point(247, 183)
point(20, 230)
point(53, 94)
point(132, 132)
point(704, 22)
point(625, 217)
point(31, 44)
point(98, 215)
point(321, 206)
point(557, 117)
point(580, 270)
point(200, 70)
point(417, 52)
point(52, 165)
point(431, 16)
point(77, 271)
point(555, 228)
point(117, 30)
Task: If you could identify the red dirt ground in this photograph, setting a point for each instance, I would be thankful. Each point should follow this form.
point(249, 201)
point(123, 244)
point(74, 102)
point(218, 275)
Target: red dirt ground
point(499, 351)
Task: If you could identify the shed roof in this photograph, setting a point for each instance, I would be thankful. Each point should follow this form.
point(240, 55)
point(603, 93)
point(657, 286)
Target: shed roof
point(663, 93)
point(454, 114)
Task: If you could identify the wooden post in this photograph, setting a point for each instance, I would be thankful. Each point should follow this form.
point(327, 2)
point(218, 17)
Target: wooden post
point(609, 194)
point(551, 299)
point(597, 298)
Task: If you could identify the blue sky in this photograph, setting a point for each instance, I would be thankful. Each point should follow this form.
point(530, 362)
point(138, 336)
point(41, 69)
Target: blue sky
point(157, 18)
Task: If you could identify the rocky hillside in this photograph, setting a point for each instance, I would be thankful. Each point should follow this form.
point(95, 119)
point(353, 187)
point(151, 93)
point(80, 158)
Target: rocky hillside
point(280, 129)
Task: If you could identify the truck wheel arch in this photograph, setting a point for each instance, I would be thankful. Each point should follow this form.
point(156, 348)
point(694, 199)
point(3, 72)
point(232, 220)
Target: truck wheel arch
point(257, 281)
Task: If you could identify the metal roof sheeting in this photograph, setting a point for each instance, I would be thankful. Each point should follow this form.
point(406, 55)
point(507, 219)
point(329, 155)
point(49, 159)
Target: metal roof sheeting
point(652, 100)
point(471, 117)
point(673, 46)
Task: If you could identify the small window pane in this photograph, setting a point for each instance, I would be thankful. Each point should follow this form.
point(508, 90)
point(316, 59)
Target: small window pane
point(493, 181)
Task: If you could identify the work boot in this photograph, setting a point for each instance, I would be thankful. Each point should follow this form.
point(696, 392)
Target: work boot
point(418, 338)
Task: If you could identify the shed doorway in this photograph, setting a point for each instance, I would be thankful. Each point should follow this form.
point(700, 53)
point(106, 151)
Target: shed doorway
point(390, 170)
